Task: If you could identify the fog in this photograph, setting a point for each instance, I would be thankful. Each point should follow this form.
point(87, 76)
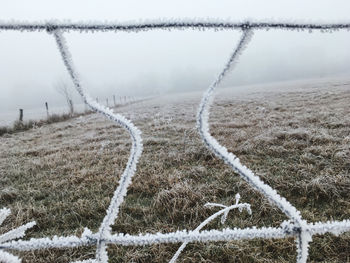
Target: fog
point(159, 62)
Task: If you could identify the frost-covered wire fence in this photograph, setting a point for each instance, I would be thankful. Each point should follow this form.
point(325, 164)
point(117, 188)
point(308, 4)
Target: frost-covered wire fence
point(295, 227)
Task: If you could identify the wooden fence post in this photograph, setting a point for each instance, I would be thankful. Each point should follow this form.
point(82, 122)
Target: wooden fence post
point(114, 101)
point(47, 109)
point(20, 114)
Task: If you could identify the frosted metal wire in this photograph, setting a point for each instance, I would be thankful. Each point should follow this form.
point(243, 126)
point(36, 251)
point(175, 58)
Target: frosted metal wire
point(295, 226)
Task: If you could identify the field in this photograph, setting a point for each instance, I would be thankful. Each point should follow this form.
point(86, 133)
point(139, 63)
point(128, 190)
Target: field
point(295, 136)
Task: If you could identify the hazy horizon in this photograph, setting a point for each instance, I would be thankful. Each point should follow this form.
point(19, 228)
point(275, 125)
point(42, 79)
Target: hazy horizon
point(159, 62)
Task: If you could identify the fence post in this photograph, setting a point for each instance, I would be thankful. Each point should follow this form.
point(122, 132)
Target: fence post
point(71, 107)
point(20, 114)
point(47, 109)
point(107, 102)
point(114, 101)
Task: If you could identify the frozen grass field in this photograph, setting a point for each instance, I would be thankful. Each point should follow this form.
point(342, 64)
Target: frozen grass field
point(295, 136)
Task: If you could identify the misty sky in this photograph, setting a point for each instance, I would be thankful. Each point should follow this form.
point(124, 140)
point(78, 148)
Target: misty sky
point(156, 62)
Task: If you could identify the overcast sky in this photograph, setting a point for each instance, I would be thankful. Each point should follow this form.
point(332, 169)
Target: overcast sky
point(159, 61)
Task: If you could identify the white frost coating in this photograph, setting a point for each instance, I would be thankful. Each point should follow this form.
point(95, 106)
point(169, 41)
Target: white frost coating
point(229, 158)
point(302, 241)
point(224, 211)
point(86, 261)
point(8, 258)
point(11, 235)
point(174, 23)
point(287, 229)
point(4, 213)
point(222, 152)
point(16, 233)
point(135, 153)
point(54, 242)
point(295, 227)
point(334, 227)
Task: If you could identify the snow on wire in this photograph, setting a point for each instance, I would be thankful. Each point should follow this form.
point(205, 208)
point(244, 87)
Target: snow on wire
point(295, 227)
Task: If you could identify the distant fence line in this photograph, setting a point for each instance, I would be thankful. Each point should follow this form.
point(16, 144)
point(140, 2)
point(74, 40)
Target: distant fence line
point(296, 226)
point(21, 116)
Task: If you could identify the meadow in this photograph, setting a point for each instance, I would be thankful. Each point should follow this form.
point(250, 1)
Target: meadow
point(294, 136)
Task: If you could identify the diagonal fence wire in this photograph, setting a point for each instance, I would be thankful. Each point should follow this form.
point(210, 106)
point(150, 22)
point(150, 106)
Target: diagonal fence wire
point(295, 226)
point(221, 152)
point(135, 154)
